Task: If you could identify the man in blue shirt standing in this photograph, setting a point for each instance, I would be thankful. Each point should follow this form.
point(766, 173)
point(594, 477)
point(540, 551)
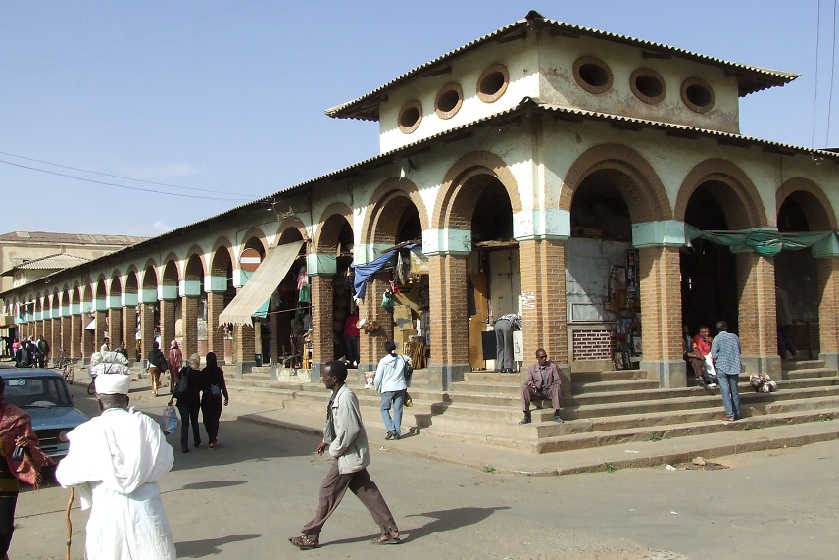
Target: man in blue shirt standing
point(726, 353)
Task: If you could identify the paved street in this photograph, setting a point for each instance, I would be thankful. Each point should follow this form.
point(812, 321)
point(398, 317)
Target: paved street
point(243, 499)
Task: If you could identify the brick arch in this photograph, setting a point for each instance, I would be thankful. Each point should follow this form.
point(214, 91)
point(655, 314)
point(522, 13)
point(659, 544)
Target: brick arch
point(330, 225)
point(116, 284)
point(642, 190)
point(171, 274)
point(812, 200)
point(131, 280)
point(194, 267)
point(251, 233)
point(453, 207)
point(741, 205)
point(292, 222)
point(101, 289)
point(389, 190)
point(218, 266)
point(150, 276)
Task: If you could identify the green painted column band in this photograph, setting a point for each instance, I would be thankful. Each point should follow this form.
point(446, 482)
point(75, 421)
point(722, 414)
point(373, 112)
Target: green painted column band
point(86, 307)
point(446, 241)
point(65, 311)
point(189, 288)
point(148, 295)
point(75, 308)
point(38, 315)
point(542, 224)
point(321, 265)
point(668, 233)
point(115, 302)
point(215, 284)
point(100, 304)
point(129, 300)
point(167, 292)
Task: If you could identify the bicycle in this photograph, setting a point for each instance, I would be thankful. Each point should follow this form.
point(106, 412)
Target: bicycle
point(64, 363)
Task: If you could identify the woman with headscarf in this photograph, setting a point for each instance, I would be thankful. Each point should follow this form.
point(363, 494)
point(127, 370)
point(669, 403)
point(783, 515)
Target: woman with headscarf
point(176, 362)
point(189, 403)
point(213, 389)
point(15, 432)
point(157, 365)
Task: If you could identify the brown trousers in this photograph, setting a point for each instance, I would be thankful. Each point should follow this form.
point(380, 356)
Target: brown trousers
point(332, 491)
point(155, 379)
point(528, 394)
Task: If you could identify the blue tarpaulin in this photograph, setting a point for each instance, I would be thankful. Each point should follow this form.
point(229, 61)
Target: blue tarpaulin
point(363, 272)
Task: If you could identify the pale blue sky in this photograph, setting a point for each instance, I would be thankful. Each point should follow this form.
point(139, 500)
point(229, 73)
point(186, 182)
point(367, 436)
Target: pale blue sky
point(229, 96)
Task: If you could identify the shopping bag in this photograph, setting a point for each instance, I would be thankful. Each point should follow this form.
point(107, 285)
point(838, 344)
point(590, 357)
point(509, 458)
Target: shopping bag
point(170, 420)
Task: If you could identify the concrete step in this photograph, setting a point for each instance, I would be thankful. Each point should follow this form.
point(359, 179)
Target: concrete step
point(809, 373)
point(579, 388)
point(802, 364)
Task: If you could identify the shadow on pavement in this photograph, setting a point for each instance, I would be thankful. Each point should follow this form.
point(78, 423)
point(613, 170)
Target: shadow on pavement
point(207, 547)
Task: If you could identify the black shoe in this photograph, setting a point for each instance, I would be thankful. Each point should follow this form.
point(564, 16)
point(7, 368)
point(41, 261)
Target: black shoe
point(185, 449)
point(390, 435)
point(395, 435)
point(197, 443)
point(525, 420)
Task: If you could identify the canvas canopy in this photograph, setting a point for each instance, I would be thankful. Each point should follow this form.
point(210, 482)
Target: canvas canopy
point(765, 242)
point(256, 291)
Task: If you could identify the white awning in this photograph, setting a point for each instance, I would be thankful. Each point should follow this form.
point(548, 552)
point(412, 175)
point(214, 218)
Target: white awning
point(259, 287)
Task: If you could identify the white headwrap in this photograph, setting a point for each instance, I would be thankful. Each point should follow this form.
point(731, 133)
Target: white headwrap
point(112, 384)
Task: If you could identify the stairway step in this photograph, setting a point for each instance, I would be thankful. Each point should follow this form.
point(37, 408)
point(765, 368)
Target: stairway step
point(802, 364)
point(810, 373)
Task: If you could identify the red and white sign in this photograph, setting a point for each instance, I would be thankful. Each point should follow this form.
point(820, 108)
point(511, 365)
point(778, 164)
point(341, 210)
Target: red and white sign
point(250, 260)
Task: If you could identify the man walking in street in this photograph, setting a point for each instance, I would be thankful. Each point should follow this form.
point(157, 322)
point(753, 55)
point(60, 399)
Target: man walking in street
point(115, 462)
point(726, 353)
point(345, 438)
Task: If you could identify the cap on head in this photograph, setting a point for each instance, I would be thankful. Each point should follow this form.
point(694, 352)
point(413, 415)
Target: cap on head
point(112, 384)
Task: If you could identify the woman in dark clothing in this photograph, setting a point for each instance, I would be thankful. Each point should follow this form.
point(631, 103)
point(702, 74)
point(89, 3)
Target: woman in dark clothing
point(213, 388)
point(190, 403)
point(15, 431)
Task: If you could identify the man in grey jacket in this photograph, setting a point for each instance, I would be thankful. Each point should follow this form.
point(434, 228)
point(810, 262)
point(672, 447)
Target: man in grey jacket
point(345, 438)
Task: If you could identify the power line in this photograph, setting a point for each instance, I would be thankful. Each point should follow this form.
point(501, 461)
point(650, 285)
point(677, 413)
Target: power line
point(120, 176)
point(832, 68)
point(816, 77)
point(65, 175)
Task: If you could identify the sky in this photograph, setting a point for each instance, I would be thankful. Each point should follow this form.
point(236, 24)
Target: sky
point(135, 118)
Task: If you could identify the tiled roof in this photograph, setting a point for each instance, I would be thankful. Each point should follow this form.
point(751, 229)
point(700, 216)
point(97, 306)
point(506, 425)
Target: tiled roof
point(59, 261)
point(69, 238)
point(750, 78)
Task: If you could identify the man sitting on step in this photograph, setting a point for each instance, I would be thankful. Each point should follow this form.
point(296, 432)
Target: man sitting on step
point(542, 383)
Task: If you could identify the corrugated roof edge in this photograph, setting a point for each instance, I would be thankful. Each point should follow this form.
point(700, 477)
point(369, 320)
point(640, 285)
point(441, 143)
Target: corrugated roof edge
point(526, 104)
point(768, 78)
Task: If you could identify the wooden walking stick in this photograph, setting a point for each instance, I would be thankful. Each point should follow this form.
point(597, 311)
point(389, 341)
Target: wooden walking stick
point(70, 523)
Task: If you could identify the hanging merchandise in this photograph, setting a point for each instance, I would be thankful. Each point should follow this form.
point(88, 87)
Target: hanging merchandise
point(305, 295)
point(393, 287)
point(403, 268)
point(387, 300)
point(302, 278)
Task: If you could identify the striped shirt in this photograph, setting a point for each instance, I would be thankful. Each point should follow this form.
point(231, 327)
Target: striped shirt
point(726, 353)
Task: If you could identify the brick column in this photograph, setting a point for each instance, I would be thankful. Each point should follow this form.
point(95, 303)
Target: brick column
point(115, 331)
point(449, 318)
point(129, 330)
point(661, 315)
point(146, 329)
point(101, 327)
point(88, 337)
point(758, 330)
point(66, 341)
point(543, 300)
point(371, 345)
point(244, 346)
point(76, 336)
point(215, 336)
point(827, 278)
point(189, 326)
point(274, 341)
point(54, 338)
point(167, 325)
point(322, 317)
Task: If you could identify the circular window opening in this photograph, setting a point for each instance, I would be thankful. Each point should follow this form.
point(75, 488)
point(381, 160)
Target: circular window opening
point(410, 117)
point(593, 75)
point(697, 95)
point(648, 86)
point(493, 83)
point(449, 101)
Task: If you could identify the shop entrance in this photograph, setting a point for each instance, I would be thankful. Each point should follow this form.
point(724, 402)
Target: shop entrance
point(708, 270)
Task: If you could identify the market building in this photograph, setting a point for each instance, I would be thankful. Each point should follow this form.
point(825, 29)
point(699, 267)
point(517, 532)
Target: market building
point(596, 184)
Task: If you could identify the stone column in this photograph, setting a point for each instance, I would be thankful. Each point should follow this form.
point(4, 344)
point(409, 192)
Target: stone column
point(115, 331)
point(371, 345)
point(54, 338)
point(129, 330)
point(189, 325)
point(449, 318)
point(244, 348)
point(88, 337)
point(76, 336)
point(758, 330)
point(544, 301)
point(167, 324)
point(215, 335)
point(101, 327)
point(827, 278)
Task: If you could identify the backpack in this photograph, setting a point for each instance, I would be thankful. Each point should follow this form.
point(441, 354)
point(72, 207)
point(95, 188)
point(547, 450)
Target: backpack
point(182, 387)
point(409, 370)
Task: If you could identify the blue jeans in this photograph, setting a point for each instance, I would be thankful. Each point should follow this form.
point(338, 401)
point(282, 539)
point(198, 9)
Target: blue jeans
point(730, 394)
point(397, 399)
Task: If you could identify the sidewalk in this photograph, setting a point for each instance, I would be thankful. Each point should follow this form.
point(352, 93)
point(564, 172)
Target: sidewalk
point(633, 454)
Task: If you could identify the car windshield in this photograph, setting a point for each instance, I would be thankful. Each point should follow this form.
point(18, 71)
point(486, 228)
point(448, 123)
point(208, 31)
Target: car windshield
point(38, 392)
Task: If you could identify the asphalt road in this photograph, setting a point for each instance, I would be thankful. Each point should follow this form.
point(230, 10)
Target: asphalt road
point(245, 498)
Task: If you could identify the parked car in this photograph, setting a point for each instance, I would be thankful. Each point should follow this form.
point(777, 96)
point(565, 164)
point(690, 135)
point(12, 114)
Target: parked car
point(45, 395)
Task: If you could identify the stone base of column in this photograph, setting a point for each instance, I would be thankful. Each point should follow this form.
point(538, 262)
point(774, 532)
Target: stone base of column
point(240, 368)
point(311, 375)
point(831, 360)
point(669, 374)
point(770, 365)
point(440, 377)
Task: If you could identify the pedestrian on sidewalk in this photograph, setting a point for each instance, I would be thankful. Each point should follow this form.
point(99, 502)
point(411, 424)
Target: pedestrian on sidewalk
point(726, 352)
point(213, 389)
point(542, 383)
point(390, 381)
point(189, 402)
point(156, 366)
point(345, 438)
point(176, 362)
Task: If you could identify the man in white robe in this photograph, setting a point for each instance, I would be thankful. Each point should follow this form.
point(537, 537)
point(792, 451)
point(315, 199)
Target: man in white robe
point(115, 461)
